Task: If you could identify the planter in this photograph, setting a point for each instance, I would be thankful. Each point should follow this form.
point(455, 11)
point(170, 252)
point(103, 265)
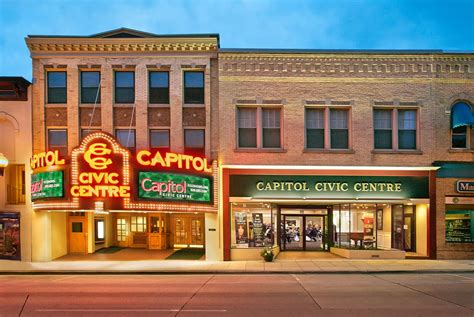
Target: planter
point(368, 254)
point(268, 258)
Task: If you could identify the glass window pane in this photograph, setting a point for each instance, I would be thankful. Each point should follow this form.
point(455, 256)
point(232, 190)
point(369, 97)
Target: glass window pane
point(126, 137)
point(247, 117)
point(159, 88)
point(77, 227)
point(159, 79)
point(407, 139)
point(271, 138)
point(193, 79)
point(90, 79)
point(160, 138)
point(248, 137)
point(459, 137)
point(314, 118)
point(124, 79)
point(338, 118)
point(85, 132)
point(407, 119)
point(57, 137)
point(270, 118)
point(315, 138)
point(382, 119)
point(57, 79)
point(383, 139)
point(194, 138)
point(339, 139)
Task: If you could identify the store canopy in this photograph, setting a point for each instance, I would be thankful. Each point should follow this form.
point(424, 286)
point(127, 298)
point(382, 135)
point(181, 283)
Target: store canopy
point(461, 115)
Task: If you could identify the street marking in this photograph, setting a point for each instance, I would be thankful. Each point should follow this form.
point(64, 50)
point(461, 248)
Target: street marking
point(132, 310)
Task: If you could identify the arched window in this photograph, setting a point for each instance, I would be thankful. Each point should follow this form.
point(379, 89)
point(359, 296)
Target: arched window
point(462, 122)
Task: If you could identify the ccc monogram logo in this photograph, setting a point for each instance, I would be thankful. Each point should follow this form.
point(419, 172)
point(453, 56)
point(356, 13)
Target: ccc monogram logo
point(97, 162)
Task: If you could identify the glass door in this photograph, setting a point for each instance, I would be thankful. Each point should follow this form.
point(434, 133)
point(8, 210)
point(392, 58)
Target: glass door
point(122, 232)
point(292, 233)
point(315, 233)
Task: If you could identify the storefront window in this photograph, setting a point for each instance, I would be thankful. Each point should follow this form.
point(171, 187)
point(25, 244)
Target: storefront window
point(459, 226)
point(10, 236)
point(252, 225)
point(354, 226)
point(99, 230)
point(138, 224)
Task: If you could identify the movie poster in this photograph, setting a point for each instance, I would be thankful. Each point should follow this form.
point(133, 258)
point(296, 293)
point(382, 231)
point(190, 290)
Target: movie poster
point(241, 234)
point(258, 234)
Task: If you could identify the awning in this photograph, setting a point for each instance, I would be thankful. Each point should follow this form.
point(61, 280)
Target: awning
point(461, 115)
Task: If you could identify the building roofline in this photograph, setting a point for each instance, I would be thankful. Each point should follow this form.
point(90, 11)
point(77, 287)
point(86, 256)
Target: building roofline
point(17, 79)
point(342, 51)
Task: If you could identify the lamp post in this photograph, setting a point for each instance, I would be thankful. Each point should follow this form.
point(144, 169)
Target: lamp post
point(3, 163)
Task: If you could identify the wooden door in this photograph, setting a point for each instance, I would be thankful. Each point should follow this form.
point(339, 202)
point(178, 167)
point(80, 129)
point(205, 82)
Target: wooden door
point(188, 231)
point(77, 235)
point(122, 231)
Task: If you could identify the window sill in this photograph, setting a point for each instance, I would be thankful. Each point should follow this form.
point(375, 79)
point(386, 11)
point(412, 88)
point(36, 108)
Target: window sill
point(124, 105)
point(416, 152)
point(461, 151)
point(259, 150)
point(88, 105)
point(329, 151)
point(194, 105)
point(56, 105)
point(159, 105)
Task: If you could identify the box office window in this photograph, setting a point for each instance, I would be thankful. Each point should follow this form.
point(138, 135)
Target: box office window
point(252, 225)
point(90, 87)
point(126, 137)
point(57, 87)
point(194, 87)
point(124, 87)
point(99, 230)
point(138, 224)
point(194, 141)
point(160, 139)
point(159, 92)
point(57, 140)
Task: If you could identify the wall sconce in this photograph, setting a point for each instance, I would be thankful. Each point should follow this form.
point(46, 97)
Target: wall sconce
point(3, 163)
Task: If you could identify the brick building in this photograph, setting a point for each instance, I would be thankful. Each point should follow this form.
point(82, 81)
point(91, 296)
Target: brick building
point(354, 152)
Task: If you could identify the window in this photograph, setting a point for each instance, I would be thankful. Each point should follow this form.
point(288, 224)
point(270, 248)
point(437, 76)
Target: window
point(160, 139)
point(271, 128)
point(90, 87)
point(99, 230)
point(159, 91)
point(252, 225)
point(194, 141)
point(124, 87)
point(259, 127)
point(57, 140)
point(126, 137)
point(395, 129)
point(314, 128)
point(15, 182)
point(57, 87)
point(462, 132)
point(339, 128)
point(194, 87)
point(85, 132)
point(383, 128)
point(138, 224)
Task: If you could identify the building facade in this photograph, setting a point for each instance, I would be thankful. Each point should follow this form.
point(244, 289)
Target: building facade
point(167, 142)
point(15, 149)
point(123, 134)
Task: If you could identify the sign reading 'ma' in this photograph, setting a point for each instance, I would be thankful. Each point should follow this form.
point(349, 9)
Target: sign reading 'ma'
point(100, 172)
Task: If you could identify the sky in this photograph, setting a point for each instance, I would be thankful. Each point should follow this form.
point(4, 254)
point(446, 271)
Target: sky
point(294, 24)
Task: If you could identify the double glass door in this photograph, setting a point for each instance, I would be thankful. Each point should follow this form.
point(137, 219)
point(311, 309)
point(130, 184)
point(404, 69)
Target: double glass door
point(303, 232)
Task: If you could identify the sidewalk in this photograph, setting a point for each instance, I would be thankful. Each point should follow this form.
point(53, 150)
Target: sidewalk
point(208, 267)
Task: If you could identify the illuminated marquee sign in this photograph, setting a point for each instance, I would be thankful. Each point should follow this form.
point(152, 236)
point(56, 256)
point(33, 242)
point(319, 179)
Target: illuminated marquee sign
point(46, 159)
point(178, 187)
point(180, 161)
point(47, 185)
point(100, 172)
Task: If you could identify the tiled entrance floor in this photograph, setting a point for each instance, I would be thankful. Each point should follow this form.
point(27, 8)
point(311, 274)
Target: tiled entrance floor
point(127, 254)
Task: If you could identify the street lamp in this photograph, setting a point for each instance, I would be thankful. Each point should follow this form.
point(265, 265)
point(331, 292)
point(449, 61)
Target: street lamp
point(3, 163)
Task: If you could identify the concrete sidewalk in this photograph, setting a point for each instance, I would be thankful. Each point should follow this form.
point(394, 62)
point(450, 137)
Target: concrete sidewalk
point(278, 266)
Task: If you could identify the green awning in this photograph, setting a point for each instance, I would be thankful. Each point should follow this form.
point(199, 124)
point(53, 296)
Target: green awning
point(461, 115)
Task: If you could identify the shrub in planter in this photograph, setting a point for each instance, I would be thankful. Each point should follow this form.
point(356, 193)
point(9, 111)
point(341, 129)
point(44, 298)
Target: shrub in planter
point(267, 254)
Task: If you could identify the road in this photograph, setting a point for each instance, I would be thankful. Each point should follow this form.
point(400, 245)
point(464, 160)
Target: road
point(238, 295)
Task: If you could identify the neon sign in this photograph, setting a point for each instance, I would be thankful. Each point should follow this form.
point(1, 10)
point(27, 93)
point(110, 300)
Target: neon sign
point(180, 161)
point(46, 159)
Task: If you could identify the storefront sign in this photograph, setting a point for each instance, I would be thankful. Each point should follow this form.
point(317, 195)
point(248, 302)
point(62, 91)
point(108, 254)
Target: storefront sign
point(167, 186)
point(465, 187)
point(348, 187)
point(241, 236)
point(173, 160)
point(46, 159)
point(47, 185)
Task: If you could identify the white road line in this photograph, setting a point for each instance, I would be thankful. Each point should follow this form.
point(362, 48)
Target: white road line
point(132, 310)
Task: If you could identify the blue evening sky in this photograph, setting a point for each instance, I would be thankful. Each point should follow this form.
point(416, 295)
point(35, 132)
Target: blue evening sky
point(297, 24)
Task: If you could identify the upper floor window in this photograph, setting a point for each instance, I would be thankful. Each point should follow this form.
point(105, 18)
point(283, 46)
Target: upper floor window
point(462, 121)
point(194, 87)
point(90, 87)
point(57, 87)
point(395, 129)
point(159, 91)
point(194, 141)
point(57, 140)
point(124, 87)
point(160, 139)
point(259, 127)
point(327, 128)
point(126, 137)
point(85, 132)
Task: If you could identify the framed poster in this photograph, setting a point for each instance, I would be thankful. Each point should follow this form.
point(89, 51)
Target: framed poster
point(379, 219)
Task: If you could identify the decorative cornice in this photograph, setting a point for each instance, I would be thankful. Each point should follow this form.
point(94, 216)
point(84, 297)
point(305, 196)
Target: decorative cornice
point(120, 45)
point(350, 80)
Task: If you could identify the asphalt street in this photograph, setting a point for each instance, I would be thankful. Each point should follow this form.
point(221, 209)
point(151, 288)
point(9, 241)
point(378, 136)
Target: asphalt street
point(238, 295)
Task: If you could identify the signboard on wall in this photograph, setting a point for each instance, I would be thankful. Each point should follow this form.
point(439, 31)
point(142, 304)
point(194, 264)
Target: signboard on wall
point(177, 187)
point(47, 185)
point(465, 187)
point(327, 187)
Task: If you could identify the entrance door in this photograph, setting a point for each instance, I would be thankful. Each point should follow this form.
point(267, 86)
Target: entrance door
point(188, 231)
point(314, 233)
point(77, 235)
point(292, 232)
point(303, 232)
point(409, 232)
point(122, 232)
